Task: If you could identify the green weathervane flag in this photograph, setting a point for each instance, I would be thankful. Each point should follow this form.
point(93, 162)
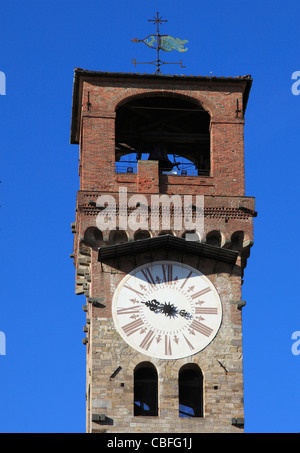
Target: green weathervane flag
point(164, 42)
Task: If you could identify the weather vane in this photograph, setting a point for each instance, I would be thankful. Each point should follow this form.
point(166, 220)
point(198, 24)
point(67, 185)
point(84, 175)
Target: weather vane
point(161, 42)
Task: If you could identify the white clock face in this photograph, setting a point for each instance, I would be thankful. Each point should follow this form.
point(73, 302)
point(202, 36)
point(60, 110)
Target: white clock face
point(167, 310)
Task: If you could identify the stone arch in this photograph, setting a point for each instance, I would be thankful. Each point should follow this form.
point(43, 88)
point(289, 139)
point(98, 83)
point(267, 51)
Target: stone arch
point(141, 234)
point(216, 238)
point(118, 236)
point(93, 237)
point(240, 240)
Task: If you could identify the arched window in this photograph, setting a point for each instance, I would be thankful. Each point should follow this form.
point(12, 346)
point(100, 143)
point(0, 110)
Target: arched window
point(174, 130)
point(145, 390)
point(190, 391)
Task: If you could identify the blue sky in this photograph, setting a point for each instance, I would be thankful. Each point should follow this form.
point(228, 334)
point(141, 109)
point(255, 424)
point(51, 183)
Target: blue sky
point(42, 375)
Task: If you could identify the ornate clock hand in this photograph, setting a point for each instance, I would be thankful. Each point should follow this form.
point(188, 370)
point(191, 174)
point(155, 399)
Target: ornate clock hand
point(185, 314)
point(168, 309)
point(153, 304)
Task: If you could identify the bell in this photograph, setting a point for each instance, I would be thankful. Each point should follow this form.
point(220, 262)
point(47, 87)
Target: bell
point(159, 152)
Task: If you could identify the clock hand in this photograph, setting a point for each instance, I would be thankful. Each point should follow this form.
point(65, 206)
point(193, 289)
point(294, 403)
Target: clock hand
point(167, 309)
point(151, 304)
point(185, 314)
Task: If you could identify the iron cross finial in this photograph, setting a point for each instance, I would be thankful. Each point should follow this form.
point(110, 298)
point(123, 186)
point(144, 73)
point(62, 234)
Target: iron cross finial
point(157, 20)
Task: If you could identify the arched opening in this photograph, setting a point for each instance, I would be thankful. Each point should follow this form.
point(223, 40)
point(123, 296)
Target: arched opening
point(190, 391)
point(93, 237)
point(145, 390)
point(141, 234)
point(171, 129)
point(237, 240)
point(118, 236)
point(214, 238)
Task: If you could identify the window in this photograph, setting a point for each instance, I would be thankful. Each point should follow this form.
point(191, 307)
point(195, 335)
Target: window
point(174, 130)
point(190, 391)
point(145, 390)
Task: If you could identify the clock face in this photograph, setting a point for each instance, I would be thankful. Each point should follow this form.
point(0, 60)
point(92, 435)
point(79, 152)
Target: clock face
point(167, 310)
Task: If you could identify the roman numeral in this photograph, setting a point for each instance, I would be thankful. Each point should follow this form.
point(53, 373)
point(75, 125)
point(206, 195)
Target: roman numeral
point(189, 344)
point(133, 326)
point(132, 289)
point(185, 281)
point(128, 310)
point(200, 293)
point(148, 276)
point(206, 311)
point(168, 349)
point(167, 273)
point(146, 343)
point(201, 328)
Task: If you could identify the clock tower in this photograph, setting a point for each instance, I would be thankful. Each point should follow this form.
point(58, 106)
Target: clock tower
point(162, 234)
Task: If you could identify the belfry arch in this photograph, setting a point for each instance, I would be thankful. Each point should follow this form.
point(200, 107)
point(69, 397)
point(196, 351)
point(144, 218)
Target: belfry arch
point(175, 130)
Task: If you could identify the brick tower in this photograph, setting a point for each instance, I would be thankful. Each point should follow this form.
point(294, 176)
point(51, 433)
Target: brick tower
point(163, 300)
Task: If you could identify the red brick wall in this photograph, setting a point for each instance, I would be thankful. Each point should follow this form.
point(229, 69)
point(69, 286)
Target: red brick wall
point(98, 135)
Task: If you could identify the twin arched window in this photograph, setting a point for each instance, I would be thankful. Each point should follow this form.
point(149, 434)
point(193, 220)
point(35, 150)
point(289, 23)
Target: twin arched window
point(190, 383)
